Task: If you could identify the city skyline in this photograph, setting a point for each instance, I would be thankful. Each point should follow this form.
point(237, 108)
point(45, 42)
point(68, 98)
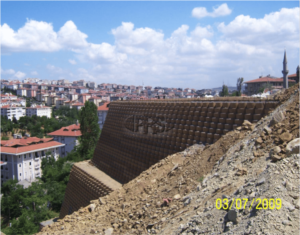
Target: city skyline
point(194, 44)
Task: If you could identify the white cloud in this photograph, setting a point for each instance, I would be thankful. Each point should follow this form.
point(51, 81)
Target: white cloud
point(40, 36)
point(72, 61)
point(19, 75)
point(281, 28)
point(201, 12)
point(197, 57)
point(12, 74)
point(70, 37)
point(8, 71)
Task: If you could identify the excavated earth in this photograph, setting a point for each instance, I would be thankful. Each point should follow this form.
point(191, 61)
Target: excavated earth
point(178, 194)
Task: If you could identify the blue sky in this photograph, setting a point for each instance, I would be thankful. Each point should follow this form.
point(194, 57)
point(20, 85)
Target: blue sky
point(175, 44)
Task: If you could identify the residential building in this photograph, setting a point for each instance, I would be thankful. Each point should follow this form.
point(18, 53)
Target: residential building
point(102, 113)
point(82, 90)
point(31, 93)
point(8, 96)
point(51, 100)
point(11, 111)
point(96, 100)
point(81, 83)
point(68, 136)
point(83, 97)
point(23, 157)
point(77, 105)
point(253, 86)
point(39, 110)
point(92, 85)
point(60, 102)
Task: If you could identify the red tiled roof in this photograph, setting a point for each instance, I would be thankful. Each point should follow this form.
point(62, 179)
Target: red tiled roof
point(30, 148)
point(103, 107)
point(78, 104)
point(72, 130)
point(292, 75)
point(38, 107)
point(268, 79)
point(23, 141)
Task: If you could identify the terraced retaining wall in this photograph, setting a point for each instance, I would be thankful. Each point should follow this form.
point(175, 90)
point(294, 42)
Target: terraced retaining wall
point(137, 134)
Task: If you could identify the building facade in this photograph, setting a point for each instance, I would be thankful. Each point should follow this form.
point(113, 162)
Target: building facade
point(102, 113)
point(68, 136)
point(11, 111)
point(23, 157)
point(39, 110)
point(253, 86)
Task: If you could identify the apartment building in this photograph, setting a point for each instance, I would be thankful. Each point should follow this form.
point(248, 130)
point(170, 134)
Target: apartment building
point(68, 136)
point(102, 113)
point(22, 158)
point(253, 86)
point(39, 110)
point(11, 111)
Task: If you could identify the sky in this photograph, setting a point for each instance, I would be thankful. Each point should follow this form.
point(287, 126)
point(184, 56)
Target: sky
point(197, 44)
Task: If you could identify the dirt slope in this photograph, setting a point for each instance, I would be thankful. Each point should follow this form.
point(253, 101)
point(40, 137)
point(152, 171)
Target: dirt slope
point(178, 194)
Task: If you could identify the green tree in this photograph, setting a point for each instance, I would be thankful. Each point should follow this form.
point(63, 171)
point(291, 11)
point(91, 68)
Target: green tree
point(89, 128)
point(239, 84)
point(224, 91)
point(11, 199)
point(28, 104)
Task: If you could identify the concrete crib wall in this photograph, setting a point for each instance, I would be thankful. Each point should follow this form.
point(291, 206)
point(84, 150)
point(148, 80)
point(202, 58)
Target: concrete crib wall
point(138, 134)
point(85, 185)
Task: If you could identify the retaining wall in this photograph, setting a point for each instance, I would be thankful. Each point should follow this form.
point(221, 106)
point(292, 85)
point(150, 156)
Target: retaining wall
point(86, 183)
point(138, 134)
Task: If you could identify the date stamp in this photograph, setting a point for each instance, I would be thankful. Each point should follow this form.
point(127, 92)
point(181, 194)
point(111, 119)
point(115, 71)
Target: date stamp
point(242, 203)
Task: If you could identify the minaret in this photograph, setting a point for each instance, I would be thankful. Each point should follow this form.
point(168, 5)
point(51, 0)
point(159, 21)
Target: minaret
point(285, 72)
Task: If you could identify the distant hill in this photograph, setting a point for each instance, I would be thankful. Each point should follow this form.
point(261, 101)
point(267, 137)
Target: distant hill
point(230, 88)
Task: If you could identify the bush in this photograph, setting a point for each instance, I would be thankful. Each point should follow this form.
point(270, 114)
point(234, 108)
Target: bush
point(4, 138)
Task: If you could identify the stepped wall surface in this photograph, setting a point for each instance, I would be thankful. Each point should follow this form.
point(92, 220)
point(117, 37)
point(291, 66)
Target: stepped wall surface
point(137, 134)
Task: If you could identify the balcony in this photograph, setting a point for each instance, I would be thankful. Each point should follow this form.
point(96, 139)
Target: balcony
point(36, 159)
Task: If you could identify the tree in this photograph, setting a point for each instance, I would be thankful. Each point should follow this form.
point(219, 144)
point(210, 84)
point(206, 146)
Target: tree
point(15, 121)
point(224, 91)
point(11, 199)
point(28, 104)
point(89, 128)
point(239, 84)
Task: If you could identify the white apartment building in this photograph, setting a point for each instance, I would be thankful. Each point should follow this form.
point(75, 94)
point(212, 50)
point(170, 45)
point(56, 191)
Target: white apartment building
point(39, 110)
point(22, 158)
point(68, 136)
point(8, 96)
point(12, 111)
point(102, 113)
point(22, 91)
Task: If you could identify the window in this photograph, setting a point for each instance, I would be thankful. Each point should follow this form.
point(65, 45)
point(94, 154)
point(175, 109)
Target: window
point(19, 165)
point(1, 158)
point(25, 156)
point(29, 163)
point(1, 167)
point(36, 154)
point(5, 157)
point(1, 176)
point(20, 174)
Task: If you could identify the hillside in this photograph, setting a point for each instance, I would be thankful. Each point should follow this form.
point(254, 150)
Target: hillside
point(178, 194)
